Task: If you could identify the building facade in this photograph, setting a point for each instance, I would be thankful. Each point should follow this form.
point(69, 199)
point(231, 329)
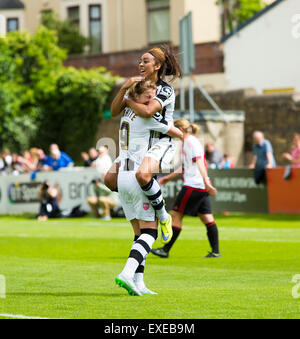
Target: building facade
point(125, 28)
point(264, 53)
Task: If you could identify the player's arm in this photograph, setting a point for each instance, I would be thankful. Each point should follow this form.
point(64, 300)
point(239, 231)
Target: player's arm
point(174, 132)
point(144, 111)
point(209, 187)
point(172, 176)
point(119, 103)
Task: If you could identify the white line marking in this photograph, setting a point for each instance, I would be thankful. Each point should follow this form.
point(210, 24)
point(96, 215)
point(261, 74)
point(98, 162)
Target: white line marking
point(19, 316)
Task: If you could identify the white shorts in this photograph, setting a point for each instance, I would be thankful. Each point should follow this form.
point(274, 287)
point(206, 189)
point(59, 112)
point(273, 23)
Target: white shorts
point(163, 151)
point(134, 202)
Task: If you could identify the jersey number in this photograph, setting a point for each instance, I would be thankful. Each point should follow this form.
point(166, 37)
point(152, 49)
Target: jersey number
point(124, 136)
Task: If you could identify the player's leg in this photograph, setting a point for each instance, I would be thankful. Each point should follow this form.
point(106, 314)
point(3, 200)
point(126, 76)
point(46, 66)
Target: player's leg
point(152, 190)
point(93, 203)
point(137, 256)
point(139, 274)
point(111, 177)
point(163, 252)
point(124, 280)
point(212, 234)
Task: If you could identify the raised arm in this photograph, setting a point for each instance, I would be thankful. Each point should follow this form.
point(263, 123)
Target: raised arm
point(119, 103)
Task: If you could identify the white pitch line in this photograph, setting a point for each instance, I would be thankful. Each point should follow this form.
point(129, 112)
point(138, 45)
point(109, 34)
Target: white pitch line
point(20, 316)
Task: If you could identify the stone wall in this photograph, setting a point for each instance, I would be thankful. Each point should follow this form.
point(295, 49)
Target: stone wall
point(209, 60)
point(277, 115)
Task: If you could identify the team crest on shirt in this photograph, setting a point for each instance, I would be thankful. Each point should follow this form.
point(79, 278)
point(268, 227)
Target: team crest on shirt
point(146, 206)
point(166, 91)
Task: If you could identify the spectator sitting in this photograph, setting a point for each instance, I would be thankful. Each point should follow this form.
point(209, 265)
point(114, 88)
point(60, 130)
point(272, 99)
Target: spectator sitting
point(17, 164)
point(104, 198)
point(213, 156)
point(294, 156)
point(104, 162)
point(41, 159)
point(6, 161)
point(2, 164)
point(57, 159)
point(49, 198)
point(228, 162)
point(263, 157)
point(90, 158)
point(28, 162)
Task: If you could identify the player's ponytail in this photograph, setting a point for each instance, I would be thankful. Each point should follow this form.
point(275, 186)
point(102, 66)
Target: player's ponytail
point(170, 66)
point(194, 129)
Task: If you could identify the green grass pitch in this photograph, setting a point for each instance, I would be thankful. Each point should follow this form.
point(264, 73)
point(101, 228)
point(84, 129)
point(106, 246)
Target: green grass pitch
point(66, 269)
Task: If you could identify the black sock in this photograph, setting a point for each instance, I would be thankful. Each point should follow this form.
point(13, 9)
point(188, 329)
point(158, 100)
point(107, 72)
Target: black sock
point(176, 232)
point(213, 236)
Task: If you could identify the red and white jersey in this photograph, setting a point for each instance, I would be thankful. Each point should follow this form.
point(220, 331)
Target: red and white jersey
point(192, 150)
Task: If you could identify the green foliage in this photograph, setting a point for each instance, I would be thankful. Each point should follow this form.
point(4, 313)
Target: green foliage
point(237, 12)
point(70, 115)
point(69, 37)
point(27, 73)
point(41, 101)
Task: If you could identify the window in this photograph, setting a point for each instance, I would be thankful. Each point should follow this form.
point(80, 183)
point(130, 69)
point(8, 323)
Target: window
point(95, 22)
point(12, 24)
point(73, 16)
point(158, 21)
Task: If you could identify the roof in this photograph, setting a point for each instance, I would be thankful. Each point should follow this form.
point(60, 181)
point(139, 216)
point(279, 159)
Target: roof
point(249, 21)
point(11, 4)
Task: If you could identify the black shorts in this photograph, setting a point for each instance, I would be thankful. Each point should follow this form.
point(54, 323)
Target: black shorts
point(192, 201)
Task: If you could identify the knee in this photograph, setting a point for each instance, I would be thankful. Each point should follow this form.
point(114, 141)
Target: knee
point(92, 201)
point(143, 178)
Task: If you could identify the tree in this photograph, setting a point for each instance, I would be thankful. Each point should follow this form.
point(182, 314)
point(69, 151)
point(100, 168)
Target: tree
point(236, 12)
point(41, 101)
point(69, 37)
point(27, 65)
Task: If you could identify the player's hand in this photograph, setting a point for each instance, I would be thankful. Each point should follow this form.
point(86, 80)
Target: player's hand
point(131, 82)
point(210, 189)
point(163, 181)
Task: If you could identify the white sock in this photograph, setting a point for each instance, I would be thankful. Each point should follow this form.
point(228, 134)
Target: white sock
point(139, 276)
point(139, 251)
point(154, 194)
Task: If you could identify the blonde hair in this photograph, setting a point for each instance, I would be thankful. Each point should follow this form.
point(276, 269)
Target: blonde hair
point(141, 87)
point(186, 126)
point(34, 152)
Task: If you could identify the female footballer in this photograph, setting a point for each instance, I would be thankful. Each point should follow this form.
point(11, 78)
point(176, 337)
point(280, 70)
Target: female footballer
point(133, 142)
point(193, 200)
point(154, 66)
